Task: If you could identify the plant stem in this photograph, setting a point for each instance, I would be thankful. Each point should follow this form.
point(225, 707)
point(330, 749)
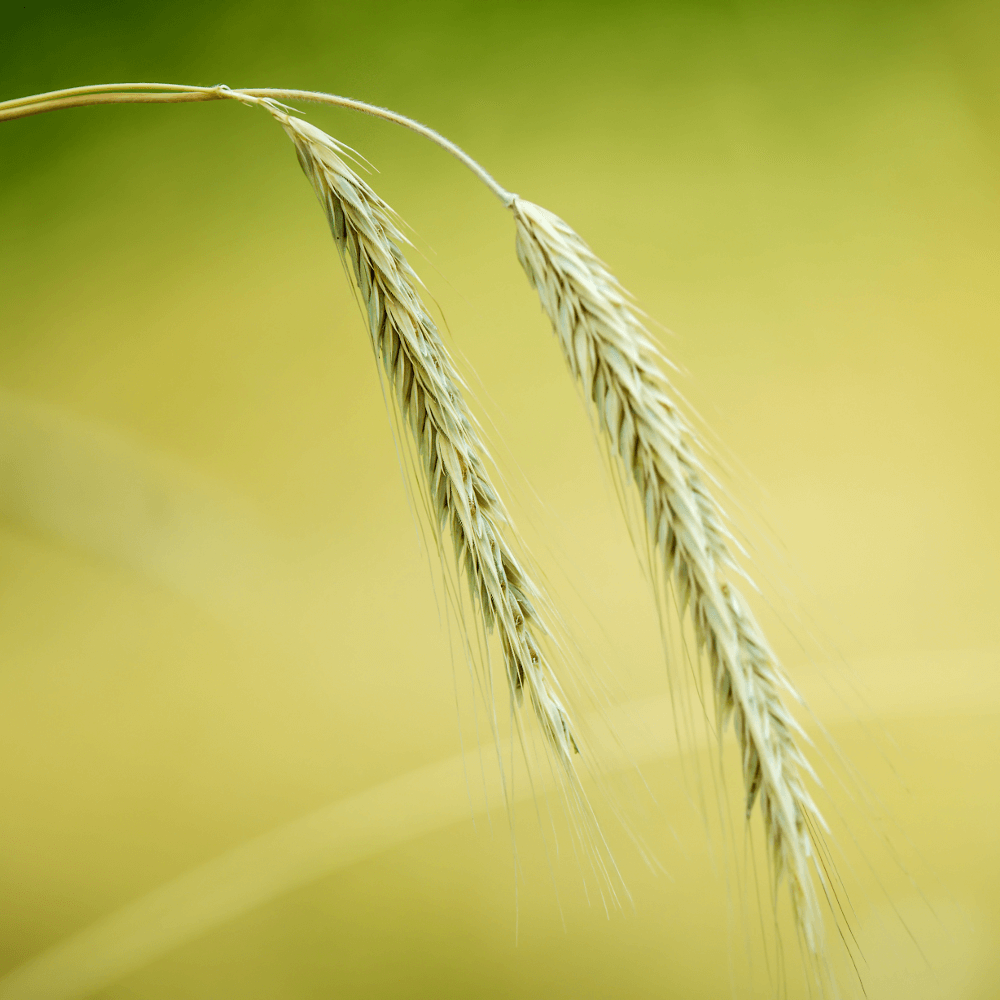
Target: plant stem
point(172, 93)
point(86, 100)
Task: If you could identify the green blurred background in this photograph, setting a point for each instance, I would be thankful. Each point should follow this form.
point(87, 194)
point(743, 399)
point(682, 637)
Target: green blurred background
point(216, 615)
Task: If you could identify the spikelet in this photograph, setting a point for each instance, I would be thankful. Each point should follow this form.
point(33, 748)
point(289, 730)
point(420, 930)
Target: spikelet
point(611, 354)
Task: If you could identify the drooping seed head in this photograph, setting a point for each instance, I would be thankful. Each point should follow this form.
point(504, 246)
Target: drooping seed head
point(428, 392)
point(609, 351)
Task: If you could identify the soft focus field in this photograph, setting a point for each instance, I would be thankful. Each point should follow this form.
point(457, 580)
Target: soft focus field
point(216, 616)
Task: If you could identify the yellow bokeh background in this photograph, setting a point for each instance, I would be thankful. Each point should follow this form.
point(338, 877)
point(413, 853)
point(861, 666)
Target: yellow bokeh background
point(217, 612)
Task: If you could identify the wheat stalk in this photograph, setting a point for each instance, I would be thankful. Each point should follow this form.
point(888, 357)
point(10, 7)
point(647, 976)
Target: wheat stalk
point(610, 353)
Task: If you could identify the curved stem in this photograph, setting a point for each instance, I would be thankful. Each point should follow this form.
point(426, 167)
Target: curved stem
point(86, 100)
point(96, 88)
point(169, 93)
point(318, 97)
